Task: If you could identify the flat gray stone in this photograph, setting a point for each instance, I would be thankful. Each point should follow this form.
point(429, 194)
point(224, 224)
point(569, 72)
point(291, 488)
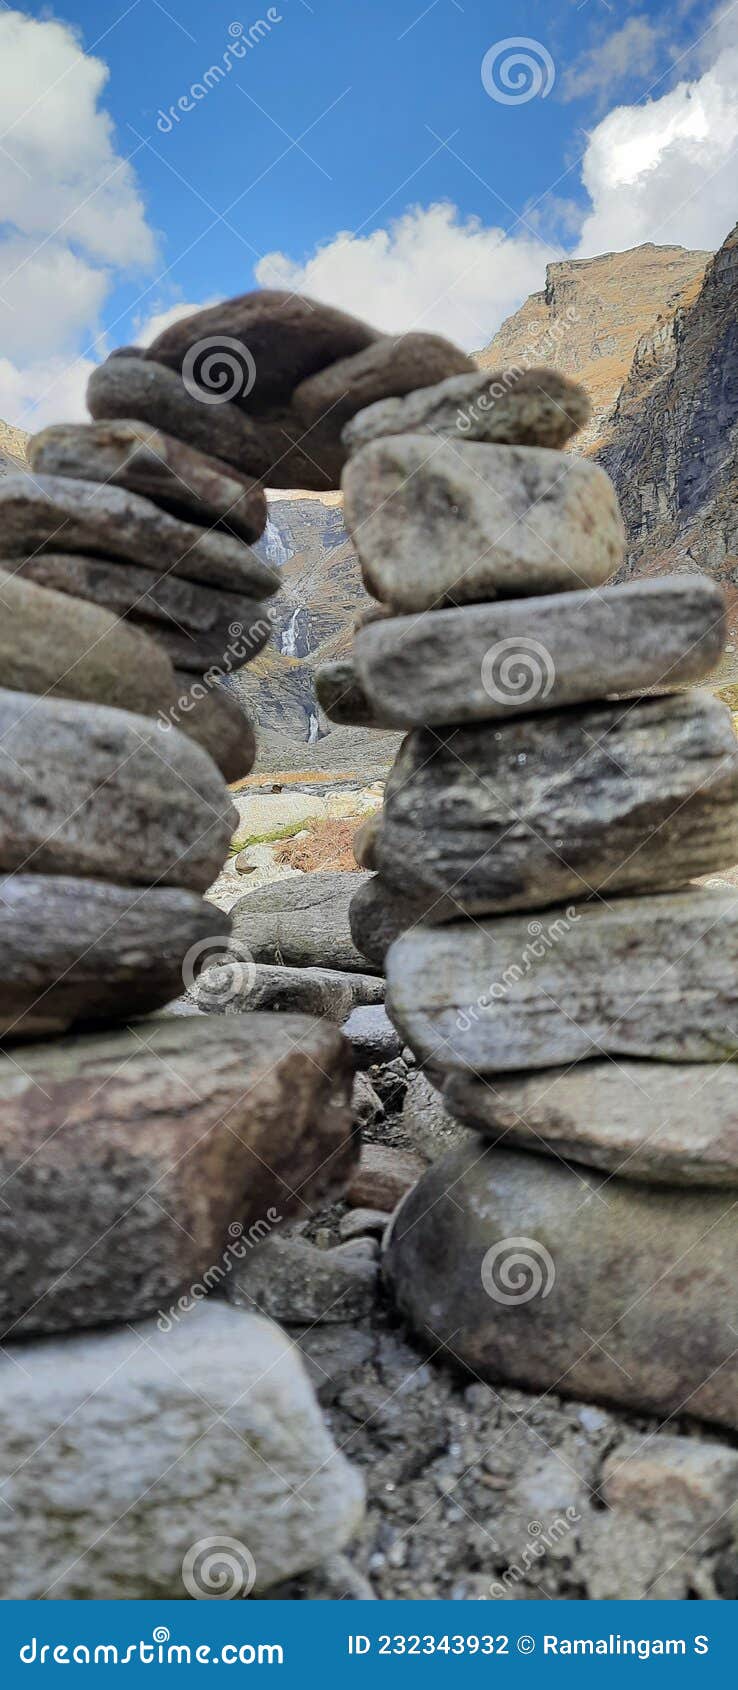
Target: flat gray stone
point(514, 407)
point(670, 1122)
point(393, 364)
point(85, 790)
point(608, 798)
point(429, 1119)
point(133, 1454)
point(197, 625)
point(302, 922)
point(330, 992)
point(372, 1036)
point(489, 662)
point(51, 645)
point(190, 484)
point(436, 523)
point(341, 695)
point(85, 950)
point(291, 1280)
point(378, 915)
point(528, 1277)
point(59, 515)
point(135, 387)
point(143, 1166)
point(653, 977)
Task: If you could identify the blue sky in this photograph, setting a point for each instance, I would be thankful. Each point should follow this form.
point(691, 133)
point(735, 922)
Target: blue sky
point(355, 149)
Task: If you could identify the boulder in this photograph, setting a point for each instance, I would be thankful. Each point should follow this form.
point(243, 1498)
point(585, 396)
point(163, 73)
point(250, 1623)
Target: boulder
point(285, 337)
point(378, 915)
point(85, 790)
point(199, 626)
point(653, 977)
point(72, 649)
point(147, 1163)
point(132, 387)
point(394, 364)
point(340, 694)
point(669, 1122)
point(515, 1267)
point(155, 1466)
point(212, 715)
point(292, 1281)
point(438, 524)
point(86, 950)
point(372, 1036)
point(429, 1120)
point(549, 807)
point(302, 921)
point(190, 484)
point(491, 662)
point(330, 992)
point(515, 407)
point(384, 1175)
point(51, 513)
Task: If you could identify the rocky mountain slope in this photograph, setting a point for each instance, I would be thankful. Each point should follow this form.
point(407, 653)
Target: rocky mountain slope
point(12, 449)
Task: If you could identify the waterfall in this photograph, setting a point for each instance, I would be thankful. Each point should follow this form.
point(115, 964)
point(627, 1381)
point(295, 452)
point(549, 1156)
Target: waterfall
point(312, 728)
point(288, 638)
point(273, 545)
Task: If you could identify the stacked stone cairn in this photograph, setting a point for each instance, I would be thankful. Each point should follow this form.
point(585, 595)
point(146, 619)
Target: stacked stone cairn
point(549, 957)
point(142, 1156)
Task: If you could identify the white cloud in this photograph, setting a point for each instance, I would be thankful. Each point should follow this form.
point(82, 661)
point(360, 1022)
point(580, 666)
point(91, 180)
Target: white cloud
point(71, 216)
point(629, 51)
point(665, 170)
point(147, 328)
point(429, 270)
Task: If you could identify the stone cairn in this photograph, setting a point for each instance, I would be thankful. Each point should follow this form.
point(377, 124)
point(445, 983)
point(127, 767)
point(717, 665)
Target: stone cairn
point(140, 1158)
point(549, 959)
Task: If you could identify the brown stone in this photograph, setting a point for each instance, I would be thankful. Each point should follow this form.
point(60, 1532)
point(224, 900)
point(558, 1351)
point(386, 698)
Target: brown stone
point(189, 484)
point(394, 364)
point(68, 648)
point(287, 336)
point(134, 1162)
point(131, 387)
point(383, 1177)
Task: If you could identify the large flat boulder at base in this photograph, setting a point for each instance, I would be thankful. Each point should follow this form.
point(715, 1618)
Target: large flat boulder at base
point(302, 921)
point(653, 977)
point(139, 1163)
point(516, 1266)
point(672, 1122)
point(154, 1465)
point(87, 950)
point(436, 523)
point(548, 807)
point(89, 790)
point(521, 657)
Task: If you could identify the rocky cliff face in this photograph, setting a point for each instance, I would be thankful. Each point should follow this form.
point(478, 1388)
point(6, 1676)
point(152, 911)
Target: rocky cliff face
point(12, 449)
point(592, 314)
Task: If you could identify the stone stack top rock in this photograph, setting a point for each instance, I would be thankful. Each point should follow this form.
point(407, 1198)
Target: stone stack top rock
point(515, 407)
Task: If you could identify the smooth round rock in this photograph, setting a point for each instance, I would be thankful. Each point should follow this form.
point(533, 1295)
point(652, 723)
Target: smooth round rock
point(515, 407)
point(86, 950)
point(523, 1274)
point(126, 387)
point(395, 364)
